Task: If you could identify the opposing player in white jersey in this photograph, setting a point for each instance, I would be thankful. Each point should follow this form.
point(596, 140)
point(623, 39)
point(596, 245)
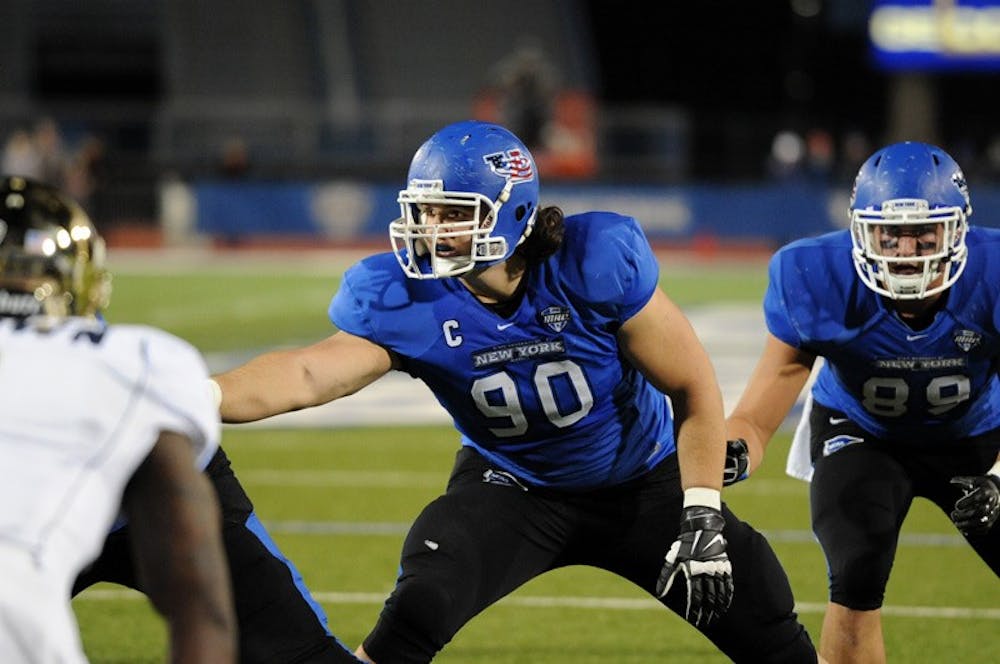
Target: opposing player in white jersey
point(103, 384)
point(551, 345)
point(96, 420)
point(904, 309)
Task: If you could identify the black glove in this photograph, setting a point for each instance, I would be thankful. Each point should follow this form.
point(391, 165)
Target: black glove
point(977, 511)
point(699, 556)
point(737, 462)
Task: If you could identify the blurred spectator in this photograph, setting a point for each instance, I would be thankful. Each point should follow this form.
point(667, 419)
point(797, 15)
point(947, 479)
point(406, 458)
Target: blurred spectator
point(86, 176)
point(993, 158)
point(234, 160)
point(854, 149)
point(795, 156)
point(52, 155)
point(788, 151)
point(527, 84)
point(820, 155)
point(20, 157)
point(555, 123)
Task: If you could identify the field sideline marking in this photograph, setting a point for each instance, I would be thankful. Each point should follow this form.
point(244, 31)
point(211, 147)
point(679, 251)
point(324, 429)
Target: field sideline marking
point(609, 603)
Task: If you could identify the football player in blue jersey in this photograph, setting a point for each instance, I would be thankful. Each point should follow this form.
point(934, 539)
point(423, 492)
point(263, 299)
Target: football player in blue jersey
point(549, 342)
point(904, 310)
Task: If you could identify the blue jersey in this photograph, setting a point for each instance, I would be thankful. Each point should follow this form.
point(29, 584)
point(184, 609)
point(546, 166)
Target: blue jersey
point(543, 393)
point(932, 385)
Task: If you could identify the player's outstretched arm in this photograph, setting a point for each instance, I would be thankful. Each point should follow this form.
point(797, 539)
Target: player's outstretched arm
point(776, 382)
point(286, 380)
point(177, 545)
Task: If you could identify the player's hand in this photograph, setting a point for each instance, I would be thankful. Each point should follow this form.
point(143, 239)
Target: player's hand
point(698, 562)
point(977, 510)
point(737, 462)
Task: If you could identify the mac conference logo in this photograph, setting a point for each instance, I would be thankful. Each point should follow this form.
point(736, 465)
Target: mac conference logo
point(967, 339)
point(555, 318)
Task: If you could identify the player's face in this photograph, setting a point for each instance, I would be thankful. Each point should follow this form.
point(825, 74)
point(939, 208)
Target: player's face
point(452, 239)
point(902, 241)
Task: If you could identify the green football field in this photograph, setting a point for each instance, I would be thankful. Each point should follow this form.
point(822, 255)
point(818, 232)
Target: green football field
point(338, 502)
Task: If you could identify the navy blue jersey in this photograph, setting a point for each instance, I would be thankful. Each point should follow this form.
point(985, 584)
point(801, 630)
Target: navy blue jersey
point(544, 392)
point(931, 385)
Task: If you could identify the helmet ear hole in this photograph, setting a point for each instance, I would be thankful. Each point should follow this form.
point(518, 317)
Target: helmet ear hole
point(520, 212)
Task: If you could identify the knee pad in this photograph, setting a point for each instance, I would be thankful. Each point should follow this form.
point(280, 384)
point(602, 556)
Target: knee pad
point(858, 581)
point(427, 604)
point(418, 619)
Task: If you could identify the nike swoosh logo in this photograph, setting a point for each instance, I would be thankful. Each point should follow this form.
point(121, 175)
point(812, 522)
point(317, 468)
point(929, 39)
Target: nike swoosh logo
point(717, 538)
point(503, 326)
point(838, 420)
point(914, 337)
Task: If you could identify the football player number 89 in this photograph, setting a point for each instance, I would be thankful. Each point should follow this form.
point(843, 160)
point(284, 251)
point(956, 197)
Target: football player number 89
point(565, 372)
point(887, 396)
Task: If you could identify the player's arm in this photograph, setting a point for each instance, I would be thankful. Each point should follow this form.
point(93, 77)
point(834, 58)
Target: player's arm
point(177, 545)
point(287, 380)
point(660, 342)
point(775, 384)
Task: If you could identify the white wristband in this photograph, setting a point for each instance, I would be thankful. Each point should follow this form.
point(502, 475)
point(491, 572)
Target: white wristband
point(995, 470)
point(705, 497)
point(216, 392)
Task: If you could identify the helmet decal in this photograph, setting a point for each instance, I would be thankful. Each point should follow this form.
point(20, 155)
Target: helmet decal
point(512, 165)
point(958, 179)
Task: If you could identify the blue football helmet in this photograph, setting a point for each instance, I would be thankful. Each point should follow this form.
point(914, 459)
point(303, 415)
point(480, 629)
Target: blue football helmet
point(51, 257)
point(472, 164)
point(911, 189)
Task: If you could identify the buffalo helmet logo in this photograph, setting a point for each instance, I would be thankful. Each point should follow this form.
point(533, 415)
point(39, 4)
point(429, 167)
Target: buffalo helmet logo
point(512, 165)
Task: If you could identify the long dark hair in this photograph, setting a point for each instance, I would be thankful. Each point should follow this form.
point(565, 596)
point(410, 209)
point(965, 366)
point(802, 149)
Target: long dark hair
point(545, 238)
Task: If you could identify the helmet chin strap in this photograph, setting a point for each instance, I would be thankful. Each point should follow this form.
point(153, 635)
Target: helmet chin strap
point(502, 198)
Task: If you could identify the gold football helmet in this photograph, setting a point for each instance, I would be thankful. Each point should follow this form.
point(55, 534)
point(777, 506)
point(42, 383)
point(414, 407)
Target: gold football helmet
point(51, 257)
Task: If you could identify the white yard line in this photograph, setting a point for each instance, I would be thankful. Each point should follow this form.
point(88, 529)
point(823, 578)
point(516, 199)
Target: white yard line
point(601, 603)
point(394, 529)
point(367, 479)
point(376, 479)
